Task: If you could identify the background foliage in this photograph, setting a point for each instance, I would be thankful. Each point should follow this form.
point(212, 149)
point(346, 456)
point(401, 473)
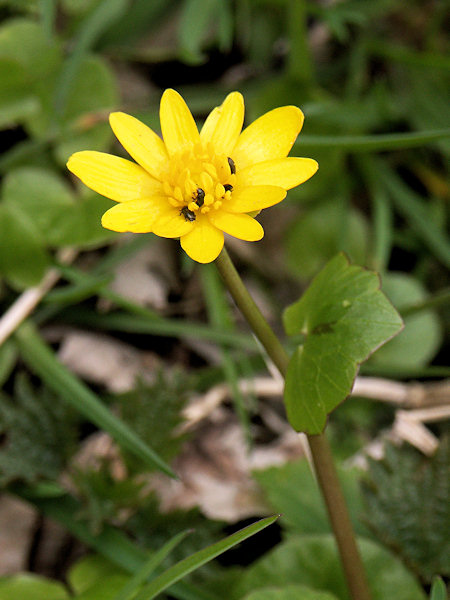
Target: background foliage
point(372, 77)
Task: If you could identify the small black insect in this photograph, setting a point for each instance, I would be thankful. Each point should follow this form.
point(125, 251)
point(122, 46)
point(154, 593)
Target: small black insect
point(188, 215)
point(232, 165)
point(200, 198)
point(228, 187)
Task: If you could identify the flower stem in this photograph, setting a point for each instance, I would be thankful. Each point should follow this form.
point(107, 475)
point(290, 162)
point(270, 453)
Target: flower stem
point(320, 449)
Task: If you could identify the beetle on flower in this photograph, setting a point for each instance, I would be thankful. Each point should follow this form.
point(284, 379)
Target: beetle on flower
point(197, 186)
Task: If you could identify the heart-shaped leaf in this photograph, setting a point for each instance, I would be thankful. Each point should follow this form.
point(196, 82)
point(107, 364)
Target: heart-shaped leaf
point(344, 317)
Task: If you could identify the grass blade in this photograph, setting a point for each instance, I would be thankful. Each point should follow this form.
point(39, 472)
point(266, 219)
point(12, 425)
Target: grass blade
point(371, 143)
point(414, 210)
point(199, 558)
point(129, 590)
point(44, 363)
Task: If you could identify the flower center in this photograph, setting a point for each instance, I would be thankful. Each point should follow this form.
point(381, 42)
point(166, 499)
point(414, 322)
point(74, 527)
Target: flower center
point(199, 180)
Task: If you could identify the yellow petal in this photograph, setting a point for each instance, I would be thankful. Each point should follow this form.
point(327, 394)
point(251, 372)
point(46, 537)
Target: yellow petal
point(113, 177)
point(210, 124)
point(282, 172)
point(253, 198)
point(239, 226)
point(177, 124)
point(204, 243)
point(225, 125)
point(140, 142)
point(271, 136)
point(171, 224)
point(136, 216)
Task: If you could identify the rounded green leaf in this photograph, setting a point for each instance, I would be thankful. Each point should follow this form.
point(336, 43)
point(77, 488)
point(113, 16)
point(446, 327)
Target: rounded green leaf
point(44, 198)
point(321, 233)
point(88, 571)
point(85, 118)
point(26, 586)
point(313, 561)
point(23, 259)
point(104, 589)
point(417, 344)
point(344, 317)
point(24, 40)
point(290, 592)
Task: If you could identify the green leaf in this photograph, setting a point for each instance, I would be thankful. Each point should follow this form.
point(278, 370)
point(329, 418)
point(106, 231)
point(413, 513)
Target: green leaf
point(289, 592)
point(42, 361)
point(16, 100)
point(26, 586)
point(344, 317)
point(49, 203)
point(93, 131)
point(313, 561)
point(24, 41)
point(23, 259)
point(44, 198)
point(408, 498)
point(322, 232)
point(418, 343)
point(38, 434)
point(194, 28)
point(105, 589)
point(196, 560)
point(97, 22)
point(153, 411)
point(87, 571)
point(305, 512)
point(438, 590)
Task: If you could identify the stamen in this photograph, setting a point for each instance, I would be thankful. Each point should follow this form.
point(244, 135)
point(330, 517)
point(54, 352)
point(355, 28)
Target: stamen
point(232, 165)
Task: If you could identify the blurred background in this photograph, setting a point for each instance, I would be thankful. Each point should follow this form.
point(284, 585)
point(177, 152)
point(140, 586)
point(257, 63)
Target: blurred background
point(146, 330)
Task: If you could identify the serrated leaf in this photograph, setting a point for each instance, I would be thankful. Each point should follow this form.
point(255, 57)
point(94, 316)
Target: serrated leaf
point(39, 435)
point(344, 317)
point(23, 259)
point(408, 499)
point(27, 586)
point(289, 592)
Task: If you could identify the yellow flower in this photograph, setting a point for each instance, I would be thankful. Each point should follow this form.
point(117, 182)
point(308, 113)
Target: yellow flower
point(196, 186)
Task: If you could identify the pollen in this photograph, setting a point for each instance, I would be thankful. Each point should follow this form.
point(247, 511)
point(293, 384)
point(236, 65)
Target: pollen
point(198, 169)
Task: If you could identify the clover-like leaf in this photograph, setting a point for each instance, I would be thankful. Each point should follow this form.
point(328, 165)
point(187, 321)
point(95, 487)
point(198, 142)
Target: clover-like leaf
point(344, 317)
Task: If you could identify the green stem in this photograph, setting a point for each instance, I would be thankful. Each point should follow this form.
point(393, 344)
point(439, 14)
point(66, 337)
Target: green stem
point(320, 450)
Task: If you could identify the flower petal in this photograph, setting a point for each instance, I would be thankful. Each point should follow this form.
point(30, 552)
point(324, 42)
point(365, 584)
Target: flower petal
point(225, 125)
point(113, 177)
point(204, 243)
point(283, 172)
point(136, 216)
point(253, 198)
point(140, 142)
point(239, 226)
point(271, 136)
point(177, 124)
point(170, 223)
